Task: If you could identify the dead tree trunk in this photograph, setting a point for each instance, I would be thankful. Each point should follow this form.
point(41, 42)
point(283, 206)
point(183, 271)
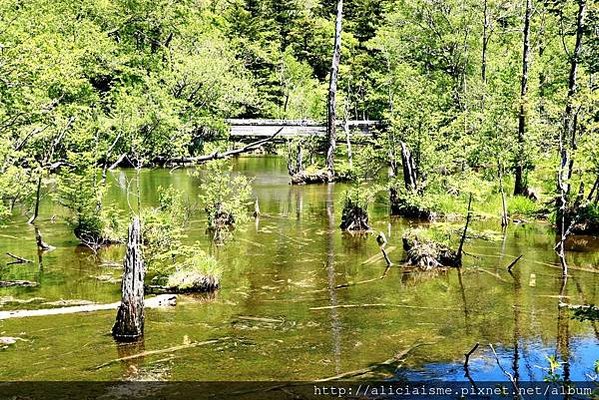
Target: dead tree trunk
point(504, 217)
point(409, 168)
point(350, 158)
point(39, 240)
point(486, 26)
point(129, 324)
point(568, 132)
point(332, 103)
point(520, 179)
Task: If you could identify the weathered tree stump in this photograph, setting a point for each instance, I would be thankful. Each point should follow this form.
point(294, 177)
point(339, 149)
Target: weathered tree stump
point(129, 324)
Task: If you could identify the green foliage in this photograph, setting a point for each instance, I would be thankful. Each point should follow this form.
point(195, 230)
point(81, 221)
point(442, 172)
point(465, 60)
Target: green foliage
point(225, 196)
point(195, 263)
point(78, 189)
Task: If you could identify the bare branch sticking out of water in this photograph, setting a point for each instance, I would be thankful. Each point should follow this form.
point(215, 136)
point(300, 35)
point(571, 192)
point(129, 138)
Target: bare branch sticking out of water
point(378, 256)
point(467, 361)
point(513, 264)
point(17, 259)
point(510, 376)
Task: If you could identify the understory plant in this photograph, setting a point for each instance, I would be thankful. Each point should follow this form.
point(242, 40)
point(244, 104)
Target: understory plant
point(225, 197)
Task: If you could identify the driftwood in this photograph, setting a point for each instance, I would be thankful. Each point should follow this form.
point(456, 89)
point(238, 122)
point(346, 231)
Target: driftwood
point(130, 317)
point(303, 178)
point(21, 283)
point(162, 351)
point(17, 259)
point(154, 302)
point(393, 361)
point(216, 155)
point(376, 305)
point(379, 256)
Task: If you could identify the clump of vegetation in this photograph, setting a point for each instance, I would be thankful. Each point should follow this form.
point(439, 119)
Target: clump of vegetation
point(94, 224)
point(176, 267)
point(225, 197)
point(197, 273)
point(429, 249)
point(355, 209)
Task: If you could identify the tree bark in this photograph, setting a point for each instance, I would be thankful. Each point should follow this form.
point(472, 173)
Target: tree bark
point(129, 324)
point(332, 101)
point(520, 185)
point(409, 168)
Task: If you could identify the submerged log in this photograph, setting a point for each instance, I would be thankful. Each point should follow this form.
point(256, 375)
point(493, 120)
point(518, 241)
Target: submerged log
point(21, 283)
point(427, 254)
point(303, 177)
point(130, 317)
point(154, 302)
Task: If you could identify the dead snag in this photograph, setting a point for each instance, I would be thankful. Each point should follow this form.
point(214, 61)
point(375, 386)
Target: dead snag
point(513, 264)
point(17, 259)
point(39, 240)
point(468, 217)
point(409, 168)
point(129, 324)
point(467, 361)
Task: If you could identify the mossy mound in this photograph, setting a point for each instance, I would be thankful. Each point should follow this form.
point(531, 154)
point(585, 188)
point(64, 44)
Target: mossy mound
point(427, 254)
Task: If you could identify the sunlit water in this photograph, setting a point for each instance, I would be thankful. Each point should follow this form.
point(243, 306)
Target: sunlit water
point(281, 267)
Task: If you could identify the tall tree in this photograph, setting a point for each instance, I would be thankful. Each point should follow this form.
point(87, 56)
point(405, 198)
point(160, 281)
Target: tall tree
point(568, 133)
point(520, 185)
point(332, 100)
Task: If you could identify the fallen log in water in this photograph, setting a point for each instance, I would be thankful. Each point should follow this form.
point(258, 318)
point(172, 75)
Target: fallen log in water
point(21, 283)
point(154, 302)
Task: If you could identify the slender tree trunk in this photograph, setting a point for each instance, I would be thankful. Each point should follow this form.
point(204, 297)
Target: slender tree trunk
point(520, 179)
point(36, 208)
point(129, 325)
point(504, 217)
point(332, 101)
point(350, 157)
point(568, 132)
point(483, 71)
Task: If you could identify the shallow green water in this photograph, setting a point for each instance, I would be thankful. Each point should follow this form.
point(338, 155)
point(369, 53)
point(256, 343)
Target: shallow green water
point(278, 269)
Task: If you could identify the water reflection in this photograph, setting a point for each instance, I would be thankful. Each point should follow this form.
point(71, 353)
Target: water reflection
point(282, 267)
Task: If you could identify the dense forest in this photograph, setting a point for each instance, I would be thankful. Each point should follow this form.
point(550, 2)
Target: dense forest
point(480, 111)
point(472, 97)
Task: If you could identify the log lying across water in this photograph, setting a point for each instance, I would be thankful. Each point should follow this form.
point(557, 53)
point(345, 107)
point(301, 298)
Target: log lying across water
point(153, 302)
point(20, 283)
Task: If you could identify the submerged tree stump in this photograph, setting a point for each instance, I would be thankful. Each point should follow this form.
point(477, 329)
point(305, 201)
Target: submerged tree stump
point(354, 218)
point(129, 324)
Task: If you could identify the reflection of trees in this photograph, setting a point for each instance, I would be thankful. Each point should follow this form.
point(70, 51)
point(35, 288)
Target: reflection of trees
point(131, 368)
point(330, 266)
point(563, 333)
